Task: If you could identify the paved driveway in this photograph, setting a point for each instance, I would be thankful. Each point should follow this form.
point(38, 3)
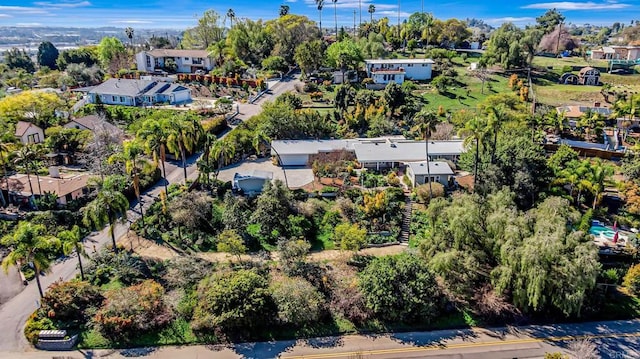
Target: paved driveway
point(296, 176)
point(10, 284)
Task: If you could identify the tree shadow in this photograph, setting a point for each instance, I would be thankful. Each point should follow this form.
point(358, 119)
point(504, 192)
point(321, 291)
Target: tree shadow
point(433, 338)
point(325, 342)
point(137, 352)
point(272, 349)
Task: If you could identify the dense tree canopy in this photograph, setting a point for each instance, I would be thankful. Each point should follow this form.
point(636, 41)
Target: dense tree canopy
point(47, 55)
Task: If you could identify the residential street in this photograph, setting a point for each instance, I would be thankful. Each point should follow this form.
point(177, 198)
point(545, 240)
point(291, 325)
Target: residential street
point(619, 339)
point(14, 312)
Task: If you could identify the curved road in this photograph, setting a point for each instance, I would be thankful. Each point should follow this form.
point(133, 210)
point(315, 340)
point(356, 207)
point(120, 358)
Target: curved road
point(14, 312)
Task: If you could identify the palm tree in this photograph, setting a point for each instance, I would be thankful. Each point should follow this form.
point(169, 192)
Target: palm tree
point(154, 135)
point(183, 135)
point(106, 208)
point(129, 32)
point(30, 244)
point(372, 9)
point(284, 10)
point(132, 150)
point(497, 117)
point(232, 16)
point(335, 15)
point(205, 166)
point(427, 121)
point(428, 24)
point(320, 4)
point(475, 130)
point(218, 50)
point(72, 242)
point(599, 173)
point(5, 150)
point(24, 158)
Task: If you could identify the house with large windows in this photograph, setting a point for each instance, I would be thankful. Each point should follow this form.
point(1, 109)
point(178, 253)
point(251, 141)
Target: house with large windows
point(29, 133)
point(384, 71)
point(174, 60)
point(139, 92)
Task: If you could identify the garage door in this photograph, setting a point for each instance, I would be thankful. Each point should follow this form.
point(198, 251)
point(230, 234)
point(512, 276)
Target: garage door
point(294, 160)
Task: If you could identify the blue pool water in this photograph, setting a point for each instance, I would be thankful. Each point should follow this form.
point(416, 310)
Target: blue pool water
point(596, 229)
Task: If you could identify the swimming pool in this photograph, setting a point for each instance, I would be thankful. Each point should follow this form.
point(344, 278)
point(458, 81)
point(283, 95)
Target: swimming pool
point(598, 229)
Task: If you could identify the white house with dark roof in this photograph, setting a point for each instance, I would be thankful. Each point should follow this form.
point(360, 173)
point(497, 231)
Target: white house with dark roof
point(439, 171)
point(187, 61)
point(128, 92)
point(374, 153)
point(384, 71)
point(251, 184)
point(28, 133)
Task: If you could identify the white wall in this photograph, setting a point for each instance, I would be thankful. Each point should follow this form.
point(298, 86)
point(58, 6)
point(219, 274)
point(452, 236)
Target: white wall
point(33, 130)
point(294, 160)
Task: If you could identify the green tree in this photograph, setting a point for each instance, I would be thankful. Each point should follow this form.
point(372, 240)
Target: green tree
point(275, 63)
point(129, 32)
point(208, 31)
point(350, 236)
point(272, 208)
point(475, 131)
point(371, 10)
point(320, 6)
point(298, 302)
point(289, 31)
point(19, 59)
point(154, 135)
point(25, 157)
point(284, 10)
point(344, 55)
point(401, 289)
point(109, 205)
point(231, 15)
point(72, 242)
point(632, 279)
point(232, 302)
point(553, 268)
point(47, 55)
point(230, 242)
point(30, 244)
point(504, 47)
point(132, 151)
point(108, 49)
point(183, 135)
point(427, 121)
point(307, 56)
point(549, 20)
point(292, 254)
point(82, 55)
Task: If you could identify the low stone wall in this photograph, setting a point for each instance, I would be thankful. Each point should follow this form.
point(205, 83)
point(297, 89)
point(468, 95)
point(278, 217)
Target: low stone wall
point(54, 345)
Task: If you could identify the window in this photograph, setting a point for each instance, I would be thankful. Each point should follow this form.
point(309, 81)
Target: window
point(113, 99)
point(121, 99)
point(157, 62)
point(197, 61)
point(148, 61)
point(33, 138)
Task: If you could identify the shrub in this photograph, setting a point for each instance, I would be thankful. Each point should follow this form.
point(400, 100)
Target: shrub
point(298, 302)
point(329, 189)
point(567, 68)
point(107, 266)
point(310, 87)
point(68, 301)
point(347, 301)
point(632, 280)
point(401, 289)
point(34, 325)
point(132, 311)
point(350, 236)
point(234, 302)
point(186, 272)
point(422, 191)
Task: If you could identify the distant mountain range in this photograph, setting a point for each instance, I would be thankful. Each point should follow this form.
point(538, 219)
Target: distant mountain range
point(29, 38)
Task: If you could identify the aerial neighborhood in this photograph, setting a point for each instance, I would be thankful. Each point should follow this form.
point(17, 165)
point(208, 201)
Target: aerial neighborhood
point(247, 179)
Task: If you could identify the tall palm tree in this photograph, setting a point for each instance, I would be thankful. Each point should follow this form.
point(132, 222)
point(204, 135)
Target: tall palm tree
point(599, 173)
point(184, 133)
point(205, 164)
point(129, 32)
point(30, 244)
point(154, 136)
point(38, 151)
point(497, 117)
point(132, 151)
point(284, 10)
point(475, 131)
point(428, 24)
point(72, 242)
point(372, 9)
point(320, 5)
point(106, 208)
point(5, 151)
point(232, 16)
point(24, 158)
point(427, 121)
point(335, 15)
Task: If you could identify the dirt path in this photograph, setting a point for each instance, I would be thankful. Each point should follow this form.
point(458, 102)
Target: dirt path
point(147, 248)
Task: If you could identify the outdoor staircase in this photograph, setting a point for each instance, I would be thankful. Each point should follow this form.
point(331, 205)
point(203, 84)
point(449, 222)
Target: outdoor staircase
point(405, 230)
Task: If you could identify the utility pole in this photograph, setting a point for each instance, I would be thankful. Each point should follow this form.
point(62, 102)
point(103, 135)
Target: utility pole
point(360, 9)
point(422, 7)
point(398, 19)
point(355, 34)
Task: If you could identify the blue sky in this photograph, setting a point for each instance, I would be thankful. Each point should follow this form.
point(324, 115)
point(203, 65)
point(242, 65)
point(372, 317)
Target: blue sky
point(183, 13)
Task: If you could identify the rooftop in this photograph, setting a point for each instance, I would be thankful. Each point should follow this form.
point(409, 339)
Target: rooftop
point(22, 127)
point(310, 147)
point(574, 111)
point(178, 53)
point(123, 87)
point(405, 151)
point(399, 61)
point(67, 183)
point(94, 122)
point(435, 168)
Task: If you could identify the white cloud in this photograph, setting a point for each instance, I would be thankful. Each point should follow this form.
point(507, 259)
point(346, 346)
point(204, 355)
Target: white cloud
point(5, 15)
point(571, 5)
point(22, 9)
point(132, 22)
point(63, 4)
point(291, 1)
point(502, 20)
point(27, 24)
point(392, 14)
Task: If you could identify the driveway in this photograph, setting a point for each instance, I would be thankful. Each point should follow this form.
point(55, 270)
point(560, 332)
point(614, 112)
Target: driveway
point(296, 176)
point(10, 283)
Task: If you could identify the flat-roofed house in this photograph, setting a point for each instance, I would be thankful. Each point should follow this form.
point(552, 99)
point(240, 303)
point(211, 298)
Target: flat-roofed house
point(383, 71)
point(439, 171)
point(251, 184)
point(187, 61)
point(65, 187)
point(28, 133)
point(128, 92)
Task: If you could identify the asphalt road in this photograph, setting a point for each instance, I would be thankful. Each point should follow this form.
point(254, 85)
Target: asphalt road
point(614, 340)
point(15, 311)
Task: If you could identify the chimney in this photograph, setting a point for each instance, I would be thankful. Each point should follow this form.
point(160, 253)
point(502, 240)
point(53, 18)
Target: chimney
point(54, 171)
